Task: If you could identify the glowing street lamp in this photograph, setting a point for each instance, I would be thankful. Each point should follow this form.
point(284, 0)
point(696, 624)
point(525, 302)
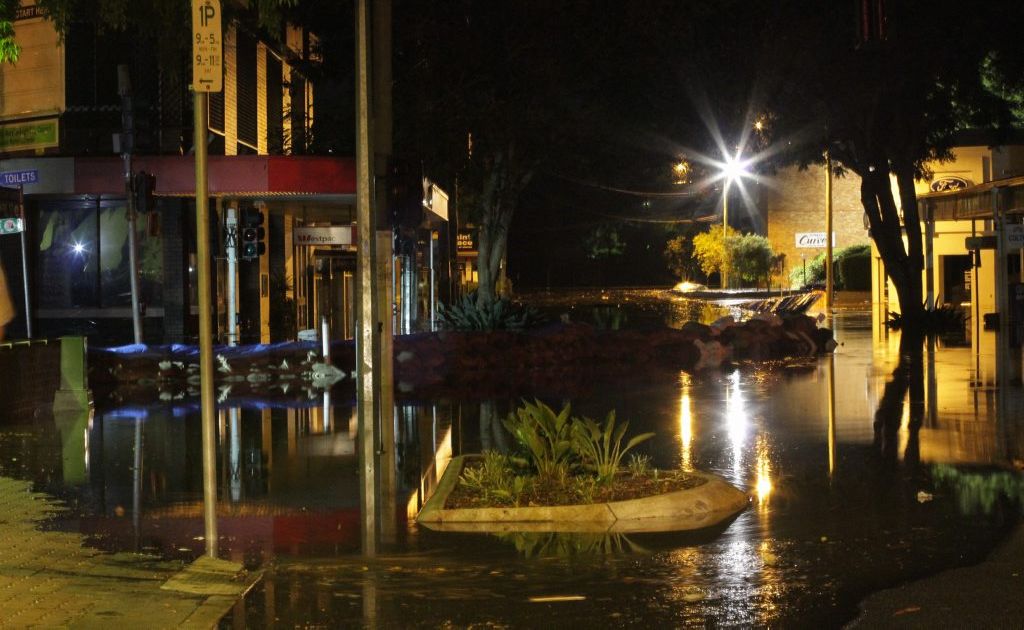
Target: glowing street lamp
point(681, 171)
point(733, 169)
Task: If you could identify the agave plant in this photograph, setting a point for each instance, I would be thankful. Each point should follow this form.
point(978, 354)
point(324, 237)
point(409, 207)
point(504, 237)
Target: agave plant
point(546, 436)
point(600, 446)
point(500, 314)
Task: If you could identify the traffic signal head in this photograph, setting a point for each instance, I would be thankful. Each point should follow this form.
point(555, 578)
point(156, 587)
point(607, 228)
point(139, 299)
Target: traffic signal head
point(253, 234)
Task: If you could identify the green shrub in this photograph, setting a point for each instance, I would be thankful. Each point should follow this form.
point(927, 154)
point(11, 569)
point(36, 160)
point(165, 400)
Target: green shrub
point(501, 314)
point(495, 479)
point(599, 447)
point(639, 465)
point(851, 265)
point(545, 435)
point(558, 444)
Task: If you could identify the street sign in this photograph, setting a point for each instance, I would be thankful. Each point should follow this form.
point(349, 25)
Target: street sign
point(207, 46)
point(1014, 235)
point(19, 178)
point(980, 242)
point(11, 225)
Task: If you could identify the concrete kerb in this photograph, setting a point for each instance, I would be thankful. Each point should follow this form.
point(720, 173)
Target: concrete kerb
point(699, 507)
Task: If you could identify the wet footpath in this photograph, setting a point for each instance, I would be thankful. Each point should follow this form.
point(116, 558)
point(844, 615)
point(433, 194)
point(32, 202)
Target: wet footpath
point(987, 595)
point(52, 579)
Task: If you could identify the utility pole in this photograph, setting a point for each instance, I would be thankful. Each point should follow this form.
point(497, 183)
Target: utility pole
point(367, 334)
point(828, 235)
point(127, 142)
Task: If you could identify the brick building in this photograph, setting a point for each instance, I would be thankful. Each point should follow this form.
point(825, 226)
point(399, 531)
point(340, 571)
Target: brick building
point(794, 210)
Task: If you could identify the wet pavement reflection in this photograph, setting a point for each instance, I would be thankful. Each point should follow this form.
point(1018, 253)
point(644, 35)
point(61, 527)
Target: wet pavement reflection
point(865, 471)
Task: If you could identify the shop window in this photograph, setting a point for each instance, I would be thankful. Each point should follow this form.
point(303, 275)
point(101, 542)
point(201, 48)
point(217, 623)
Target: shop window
point(84, 257)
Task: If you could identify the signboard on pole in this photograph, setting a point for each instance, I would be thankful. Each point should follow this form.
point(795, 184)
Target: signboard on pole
point(1013, 233)
point(207, 46)
point(11, 225)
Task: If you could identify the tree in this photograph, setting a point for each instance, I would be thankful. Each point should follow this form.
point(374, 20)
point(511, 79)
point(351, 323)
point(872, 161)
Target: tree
point(751, 258)
point(678, 253)
point(495, 98)
point(709, 248)
point(886, 101)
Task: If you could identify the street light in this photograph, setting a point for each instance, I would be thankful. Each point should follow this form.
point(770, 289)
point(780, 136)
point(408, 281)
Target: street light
point(733, 169)
point(681, 171)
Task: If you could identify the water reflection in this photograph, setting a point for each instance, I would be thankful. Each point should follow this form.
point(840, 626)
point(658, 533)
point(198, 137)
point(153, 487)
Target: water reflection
point(762, 462)
point(737, 423)
point(685, 422)
point(569, 545)
point(834, 451)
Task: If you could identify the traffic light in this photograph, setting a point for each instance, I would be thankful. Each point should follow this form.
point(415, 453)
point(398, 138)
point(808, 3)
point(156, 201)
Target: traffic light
point(145, 184)
point(252, 234)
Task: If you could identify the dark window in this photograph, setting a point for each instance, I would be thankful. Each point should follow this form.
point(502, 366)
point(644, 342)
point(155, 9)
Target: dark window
point(217, 111)
point(298, 113)
point(246, 66)
point(275, 107)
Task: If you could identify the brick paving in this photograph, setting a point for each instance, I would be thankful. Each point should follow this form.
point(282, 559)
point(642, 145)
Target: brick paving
point(51, 579)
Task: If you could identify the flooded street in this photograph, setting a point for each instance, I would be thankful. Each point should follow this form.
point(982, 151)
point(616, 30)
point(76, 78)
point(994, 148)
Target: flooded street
point(854, 489)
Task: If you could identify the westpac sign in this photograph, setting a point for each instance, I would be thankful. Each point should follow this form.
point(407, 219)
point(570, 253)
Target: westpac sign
point(813, 239)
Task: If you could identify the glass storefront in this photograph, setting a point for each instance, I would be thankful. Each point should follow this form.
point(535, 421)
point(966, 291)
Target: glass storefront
point(84, 258)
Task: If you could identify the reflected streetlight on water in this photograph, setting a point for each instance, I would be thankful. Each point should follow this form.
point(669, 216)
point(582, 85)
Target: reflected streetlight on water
point(737, 422)
point(685, 422)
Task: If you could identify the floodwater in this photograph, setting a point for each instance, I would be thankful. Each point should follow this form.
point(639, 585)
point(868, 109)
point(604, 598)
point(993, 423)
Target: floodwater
point(884, 492)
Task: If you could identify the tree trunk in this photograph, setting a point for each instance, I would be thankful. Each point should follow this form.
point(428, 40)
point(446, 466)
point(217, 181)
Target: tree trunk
point(903, 261)
point(498, 200)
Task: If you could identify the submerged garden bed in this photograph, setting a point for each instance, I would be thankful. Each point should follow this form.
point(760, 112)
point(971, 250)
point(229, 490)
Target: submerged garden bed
point(568, 476)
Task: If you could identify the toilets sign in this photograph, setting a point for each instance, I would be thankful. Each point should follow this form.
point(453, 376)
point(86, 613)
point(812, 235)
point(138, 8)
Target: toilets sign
point(19, 178)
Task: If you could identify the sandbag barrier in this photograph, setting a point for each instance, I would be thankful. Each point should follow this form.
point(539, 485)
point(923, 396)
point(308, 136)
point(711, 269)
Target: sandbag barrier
point(562, 358)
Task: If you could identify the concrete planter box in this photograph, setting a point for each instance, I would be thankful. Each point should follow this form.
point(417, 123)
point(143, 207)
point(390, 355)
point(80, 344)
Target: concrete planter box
point(700, 507)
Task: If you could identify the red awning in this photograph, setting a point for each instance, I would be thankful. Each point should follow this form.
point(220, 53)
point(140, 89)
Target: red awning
point(257, 176)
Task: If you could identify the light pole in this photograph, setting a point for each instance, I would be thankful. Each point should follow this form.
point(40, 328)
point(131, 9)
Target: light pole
point(733, 169)
point(725, 234)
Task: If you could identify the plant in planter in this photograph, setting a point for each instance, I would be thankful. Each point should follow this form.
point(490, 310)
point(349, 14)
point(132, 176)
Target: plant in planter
point(564, 460)
point(546, 436)
point(600, 446)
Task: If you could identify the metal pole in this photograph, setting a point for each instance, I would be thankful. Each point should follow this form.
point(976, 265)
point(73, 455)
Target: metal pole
point(831, 413)
point(133, 251)
point(929, 253)
point(124, 88)
point(433, 282)
point(24, 262)
point(725, 232)
point(205, 332)
point(367, 337)
point(325, 338)
point(829, 277)
point(231, 251)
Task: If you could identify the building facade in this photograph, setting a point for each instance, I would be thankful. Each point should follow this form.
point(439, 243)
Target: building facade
point(69, 111)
